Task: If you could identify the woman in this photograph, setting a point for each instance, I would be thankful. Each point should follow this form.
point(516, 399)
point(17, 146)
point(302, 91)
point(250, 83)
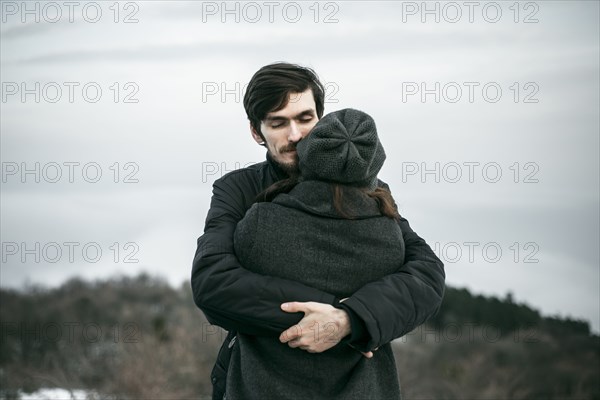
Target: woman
point(331, 228)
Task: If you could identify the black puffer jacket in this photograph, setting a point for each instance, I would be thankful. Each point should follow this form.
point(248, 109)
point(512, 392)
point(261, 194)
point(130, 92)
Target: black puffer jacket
point(243, 301)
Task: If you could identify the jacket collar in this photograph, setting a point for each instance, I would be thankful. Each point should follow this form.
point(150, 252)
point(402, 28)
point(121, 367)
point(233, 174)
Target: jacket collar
point(316, 197)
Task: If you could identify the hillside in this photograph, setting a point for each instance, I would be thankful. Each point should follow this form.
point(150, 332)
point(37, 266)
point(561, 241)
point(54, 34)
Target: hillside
point(140, 338)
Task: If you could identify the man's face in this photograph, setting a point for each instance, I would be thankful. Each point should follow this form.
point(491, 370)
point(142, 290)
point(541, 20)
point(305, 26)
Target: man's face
point(283, 129)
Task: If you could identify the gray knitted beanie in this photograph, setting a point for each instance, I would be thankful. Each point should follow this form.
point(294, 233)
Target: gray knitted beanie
point(343, 147)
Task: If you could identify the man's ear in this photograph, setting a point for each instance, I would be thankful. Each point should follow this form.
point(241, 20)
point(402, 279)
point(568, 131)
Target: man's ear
point(257, 138)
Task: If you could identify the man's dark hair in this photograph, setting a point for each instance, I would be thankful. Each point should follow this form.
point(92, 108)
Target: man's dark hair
point(271, 85)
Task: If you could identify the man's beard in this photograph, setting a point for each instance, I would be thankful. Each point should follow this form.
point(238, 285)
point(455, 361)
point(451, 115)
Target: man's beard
point(292, 168)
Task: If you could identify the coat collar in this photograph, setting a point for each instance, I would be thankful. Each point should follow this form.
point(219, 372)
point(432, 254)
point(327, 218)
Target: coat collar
point(316, 197)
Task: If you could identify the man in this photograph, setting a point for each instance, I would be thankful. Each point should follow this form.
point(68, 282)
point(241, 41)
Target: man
point(283, 103)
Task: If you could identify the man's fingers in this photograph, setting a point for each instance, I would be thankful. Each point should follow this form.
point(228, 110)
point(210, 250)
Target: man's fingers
point(291, 333)
point(368, 354)
point(295, 306)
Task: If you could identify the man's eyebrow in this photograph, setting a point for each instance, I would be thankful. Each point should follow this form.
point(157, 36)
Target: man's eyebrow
point(275, 118)
point(306, 113)
point(280, 118)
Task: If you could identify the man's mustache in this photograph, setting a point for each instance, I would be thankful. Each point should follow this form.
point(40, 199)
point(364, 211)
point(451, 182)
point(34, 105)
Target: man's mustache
point(288, 147)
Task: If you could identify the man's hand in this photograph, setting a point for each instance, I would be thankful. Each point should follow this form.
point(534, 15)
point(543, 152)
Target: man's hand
point(368, 354)
point(322, 327)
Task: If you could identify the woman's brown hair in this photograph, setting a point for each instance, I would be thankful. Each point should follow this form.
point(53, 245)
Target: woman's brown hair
point(383, 197)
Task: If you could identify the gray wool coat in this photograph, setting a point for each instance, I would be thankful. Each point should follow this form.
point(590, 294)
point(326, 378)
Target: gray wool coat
point(299, 236)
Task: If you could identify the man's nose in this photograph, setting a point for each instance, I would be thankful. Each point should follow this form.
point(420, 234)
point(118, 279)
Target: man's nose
point(295, 133)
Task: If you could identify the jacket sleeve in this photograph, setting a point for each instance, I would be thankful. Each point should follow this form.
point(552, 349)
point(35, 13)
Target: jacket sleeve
point(229, 295)
point(398, 303)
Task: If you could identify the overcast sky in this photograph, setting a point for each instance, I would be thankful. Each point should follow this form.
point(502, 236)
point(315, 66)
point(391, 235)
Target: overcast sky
point(116, 120)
